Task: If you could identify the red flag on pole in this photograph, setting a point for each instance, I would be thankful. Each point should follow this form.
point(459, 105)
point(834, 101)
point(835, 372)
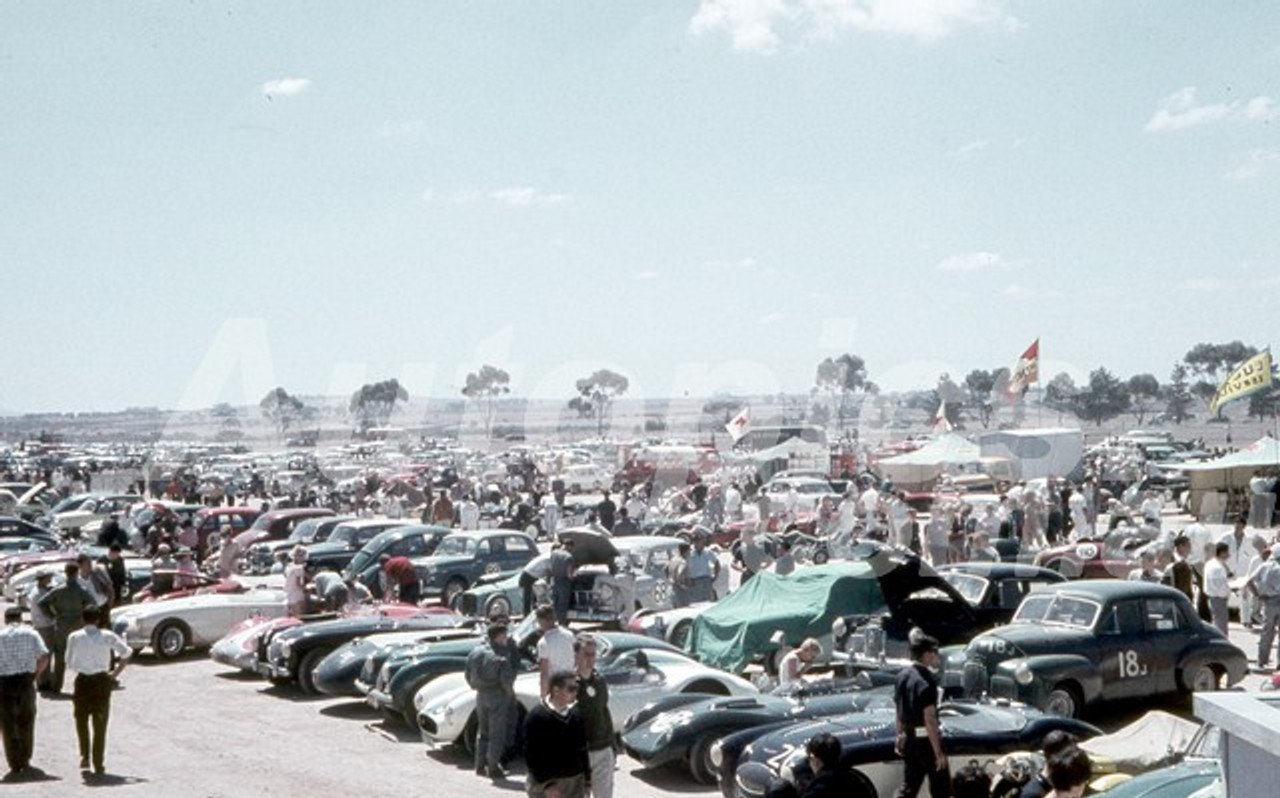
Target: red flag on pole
point(1027, 371)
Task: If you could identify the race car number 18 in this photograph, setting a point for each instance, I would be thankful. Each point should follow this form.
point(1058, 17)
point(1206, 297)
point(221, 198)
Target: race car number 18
point(1130, 668)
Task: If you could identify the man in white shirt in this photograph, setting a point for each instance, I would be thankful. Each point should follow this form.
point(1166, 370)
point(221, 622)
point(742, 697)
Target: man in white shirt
point(23, 657)
point(89, 653)
point(555, 648)
point(1217, 586)
point(1238, 549)
point(468, 513)
point(1200, 537)
point(870, 501)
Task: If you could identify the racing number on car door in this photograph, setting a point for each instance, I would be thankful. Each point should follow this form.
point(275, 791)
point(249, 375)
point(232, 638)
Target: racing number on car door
point(1125, 655)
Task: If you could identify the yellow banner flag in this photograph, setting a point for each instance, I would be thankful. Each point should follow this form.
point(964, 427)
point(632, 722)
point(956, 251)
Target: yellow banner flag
point(1251, 376)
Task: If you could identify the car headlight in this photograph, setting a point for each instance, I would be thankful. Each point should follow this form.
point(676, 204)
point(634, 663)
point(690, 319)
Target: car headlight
point(1023, 675)
point(285, 649)
point(956, 659)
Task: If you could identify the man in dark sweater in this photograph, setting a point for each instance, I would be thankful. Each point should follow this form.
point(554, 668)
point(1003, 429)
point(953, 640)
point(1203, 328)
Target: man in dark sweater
point(593, 706)
point(555, 743)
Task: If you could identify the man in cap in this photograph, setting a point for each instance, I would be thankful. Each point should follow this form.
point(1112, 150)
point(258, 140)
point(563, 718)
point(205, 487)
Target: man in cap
point(490, 673)
point(919, 742)
point(23, 658)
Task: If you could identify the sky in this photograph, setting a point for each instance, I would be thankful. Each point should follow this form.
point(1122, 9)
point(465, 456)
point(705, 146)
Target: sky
point(203, 201)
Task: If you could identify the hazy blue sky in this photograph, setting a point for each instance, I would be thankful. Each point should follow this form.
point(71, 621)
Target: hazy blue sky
point(204, 200)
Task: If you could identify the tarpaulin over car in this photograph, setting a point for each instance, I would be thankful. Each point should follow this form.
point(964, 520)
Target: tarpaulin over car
point(730, 632)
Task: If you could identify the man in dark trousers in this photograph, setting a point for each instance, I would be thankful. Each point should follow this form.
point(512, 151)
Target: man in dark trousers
point(23, 656)
point(89, 654)
point(491, 675)
point(66, 606)
point(555, 742)
point(593, 705)
point(919, 743)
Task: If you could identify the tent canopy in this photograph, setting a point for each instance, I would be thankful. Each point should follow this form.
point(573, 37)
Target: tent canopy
point(1231, 472)
point(927, 463)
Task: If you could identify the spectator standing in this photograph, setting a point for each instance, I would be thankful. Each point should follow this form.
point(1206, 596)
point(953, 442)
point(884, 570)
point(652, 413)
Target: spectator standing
point(295, 582)
point(593, 706)
point(468, 513)
point(797, 662)
point(1217, 585)
point(563, 567)
point(118, 574)
point(42, 622)
point(624, 526)
point(1181, 574)
point(538, 568)
point(228, 554)
point(66, 605)
point(1266, 583)
point(95, 579)
point(919, 740)
point(442, 510)
point(490, 673)
point(606, 510)
point(935, 535)
point(704, 569)
point(555, 744)
point(555, 648)
point(678, 576)
point(89, 653)
point(23, 658)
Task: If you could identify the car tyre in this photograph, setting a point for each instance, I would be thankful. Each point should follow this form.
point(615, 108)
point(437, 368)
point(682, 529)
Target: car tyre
point(453, 592)
point(700, 760)
point(497, 605)
point(1205, 679)
point(170, 639)
point(306, 667)
point(820, 557)
point(1064, 701)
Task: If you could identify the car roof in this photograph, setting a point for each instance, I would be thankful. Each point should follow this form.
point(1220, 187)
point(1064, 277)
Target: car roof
point(1003, 570)
point(1111, 589)
point(361, 523)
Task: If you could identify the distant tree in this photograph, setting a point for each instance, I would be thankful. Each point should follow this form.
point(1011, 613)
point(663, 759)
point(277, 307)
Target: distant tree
point(282, 409)
point(1207, 360)
point(1264, 404)
point(981, 386)
point(1177, 394)
point(1144, 390)
point(1060, 394)
point(1105, 397)
point(374, 403)
point(484, 387)
point(840, 378)
point(722, 409)
point(596, 394)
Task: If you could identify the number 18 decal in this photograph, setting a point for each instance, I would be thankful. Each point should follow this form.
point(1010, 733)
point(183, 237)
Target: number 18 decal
point(1130, 667)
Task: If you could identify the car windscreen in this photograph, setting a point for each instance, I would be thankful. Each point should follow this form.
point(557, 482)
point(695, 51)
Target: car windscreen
point(70, 503)
point(972, 587)
point(343, 533)
point(1062, 610)
point(456, 546)
point(305, 532)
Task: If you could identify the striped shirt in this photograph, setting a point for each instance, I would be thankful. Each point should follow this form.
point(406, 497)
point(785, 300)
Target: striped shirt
point(20, 649)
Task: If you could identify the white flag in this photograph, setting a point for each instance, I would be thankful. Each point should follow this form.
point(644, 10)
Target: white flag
point(739, 425)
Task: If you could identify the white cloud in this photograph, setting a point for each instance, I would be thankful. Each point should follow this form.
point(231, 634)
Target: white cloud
point(973, 262)
point(520, 196)
point(1204, 285)
point(646, 274)
point(1258, 161)
point(758, 26)
point(284, 87)
point(1182, 110)
point(775, 317)
point(511, 196)
point(1015, 291)
point(966, 151)
point(741, 265)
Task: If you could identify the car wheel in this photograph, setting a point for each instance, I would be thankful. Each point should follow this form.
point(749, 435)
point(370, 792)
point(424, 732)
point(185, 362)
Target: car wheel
point(700, 766)
point(306, 667)
point(1063, 701)
point(498, 605)
point(1205, 679)
point(170, 639)
point(820, 557)
point(453, 592)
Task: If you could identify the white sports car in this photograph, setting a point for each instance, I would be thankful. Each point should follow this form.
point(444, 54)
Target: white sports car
point(637, 669)
point(171, 627)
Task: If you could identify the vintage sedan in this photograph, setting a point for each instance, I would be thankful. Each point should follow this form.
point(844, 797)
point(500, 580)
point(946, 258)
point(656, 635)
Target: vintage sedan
point(995, 589)
point(616, 577)
point(337, 551)
point(171, 627)
point(291, 655)
point(1076, 645)
point(683, 728)
point(271, 555)
point(412, 541)
point(638, 670)
point(748, 762)
point(463, 557)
